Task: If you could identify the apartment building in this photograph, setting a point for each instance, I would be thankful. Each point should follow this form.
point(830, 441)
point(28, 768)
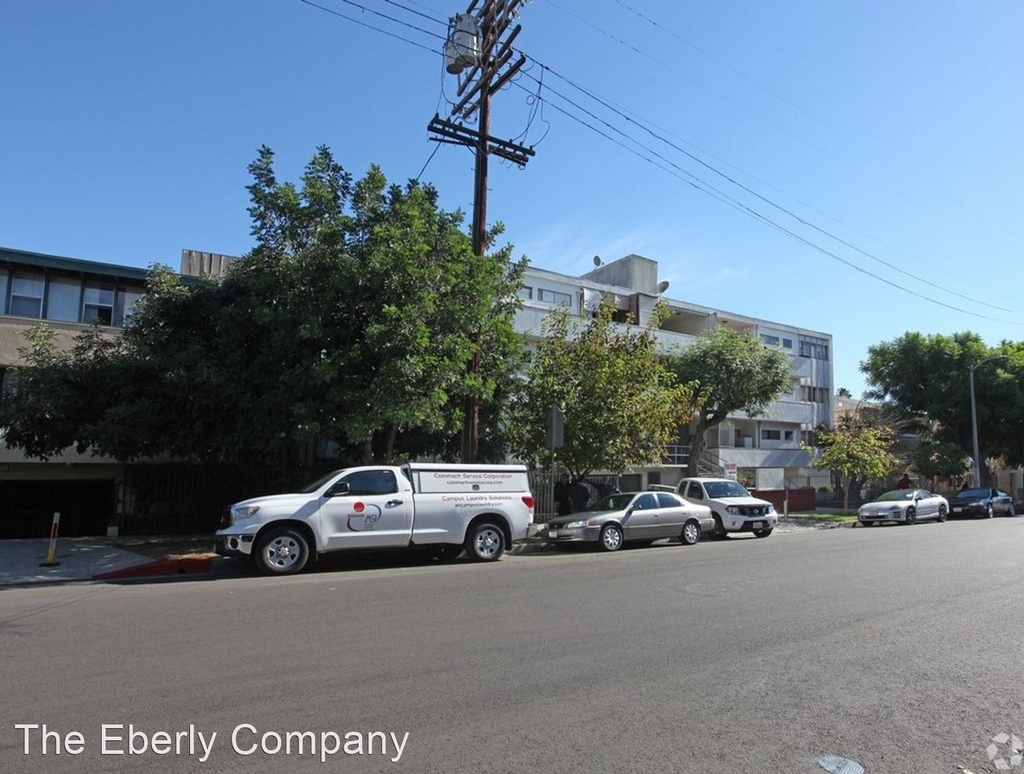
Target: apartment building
point(68, 295)
point(761, 452)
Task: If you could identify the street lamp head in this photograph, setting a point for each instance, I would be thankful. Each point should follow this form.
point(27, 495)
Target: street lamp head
point(988, 359)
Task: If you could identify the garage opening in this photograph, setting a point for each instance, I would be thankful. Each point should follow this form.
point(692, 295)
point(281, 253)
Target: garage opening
point(86, 507)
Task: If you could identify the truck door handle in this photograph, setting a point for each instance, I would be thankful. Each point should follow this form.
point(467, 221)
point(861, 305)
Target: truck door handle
point(393, 502)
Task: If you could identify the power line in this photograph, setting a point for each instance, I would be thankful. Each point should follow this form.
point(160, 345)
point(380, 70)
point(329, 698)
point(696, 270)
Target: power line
point(763, 198)
point(769, 91)
point(685, 175)
point(706, 188)
point(370, 26)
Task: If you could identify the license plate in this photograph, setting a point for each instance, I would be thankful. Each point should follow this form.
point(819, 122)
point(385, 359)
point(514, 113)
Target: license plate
point(552, 533)
point(957, 510)
point(757, 525)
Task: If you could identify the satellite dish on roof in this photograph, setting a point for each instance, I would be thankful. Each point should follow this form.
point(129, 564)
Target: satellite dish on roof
point(597, 260)
point(662, 286)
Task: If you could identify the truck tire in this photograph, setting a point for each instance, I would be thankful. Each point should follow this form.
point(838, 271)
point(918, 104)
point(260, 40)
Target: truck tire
point(485, 542)
point(282, 551)
point(718, 532)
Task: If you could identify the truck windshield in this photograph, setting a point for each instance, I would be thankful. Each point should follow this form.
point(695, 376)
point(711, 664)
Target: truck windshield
point(725, 489)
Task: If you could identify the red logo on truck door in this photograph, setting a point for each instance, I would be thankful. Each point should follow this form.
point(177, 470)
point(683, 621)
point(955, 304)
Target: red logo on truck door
point(364, 519)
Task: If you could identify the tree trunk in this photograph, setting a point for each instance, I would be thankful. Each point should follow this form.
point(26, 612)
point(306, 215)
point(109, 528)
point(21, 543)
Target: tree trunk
point(368, 452)
point(389, 452)
point(696, 449)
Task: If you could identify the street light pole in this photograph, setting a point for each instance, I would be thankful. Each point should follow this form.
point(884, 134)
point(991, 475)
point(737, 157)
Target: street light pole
point(974, 421)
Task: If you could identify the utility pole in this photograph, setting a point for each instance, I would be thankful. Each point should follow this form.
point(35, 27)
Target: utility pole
point(479, 50)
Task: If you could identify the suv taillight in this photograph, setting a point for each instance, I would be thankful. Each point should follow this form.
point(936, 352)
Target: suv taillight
point(528, 499)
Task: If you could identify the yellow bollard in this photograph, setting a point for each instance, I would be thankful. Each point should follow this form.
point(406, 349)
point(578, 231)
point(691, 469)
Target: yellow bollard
point(51, 554)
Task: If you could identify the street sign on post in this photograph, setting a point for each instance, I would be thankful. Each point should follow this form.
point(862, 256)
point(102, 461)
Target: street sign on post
point(555, 428)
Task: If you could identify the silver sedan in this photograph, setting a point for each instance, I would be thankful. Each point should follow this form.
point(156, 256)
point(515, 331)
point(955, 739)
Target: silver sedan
point(904, 506)
point(634, 517)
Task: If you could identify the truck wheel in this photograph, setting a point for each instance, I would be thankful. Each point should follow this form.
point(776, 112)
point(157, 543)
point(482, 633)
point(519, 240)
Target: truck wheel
point(718, 531)
point(486, 542)
point(763, 532)
point(282, 551)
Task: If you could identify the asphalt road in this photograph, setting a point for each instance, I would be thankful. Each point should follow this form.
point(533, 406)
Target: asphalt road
point(900, 648)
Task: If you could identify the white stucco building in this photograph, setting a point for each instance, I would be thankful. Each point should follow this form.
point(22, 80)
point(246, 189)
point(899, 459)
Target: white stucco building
point(762, 451)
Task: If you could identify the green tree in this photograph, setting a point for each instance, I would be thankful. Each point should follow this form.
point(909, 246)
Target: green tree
point(855, 453)
point(935, 459)
point(353, 319)
point(621, 405)
point(927, 377)
point(735, 373)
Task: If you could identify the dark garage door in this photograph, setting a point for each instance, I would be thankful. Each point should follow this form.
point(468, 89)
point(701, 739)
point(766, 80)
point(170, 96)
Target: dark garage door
point(85, 507)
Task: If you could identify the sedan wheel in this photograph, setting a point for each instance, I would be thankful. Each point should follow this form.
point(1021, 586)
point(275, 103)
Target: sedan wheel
point(611, 538)
point(1010, 511)
point(690, 534)
point(911, 516)
point(942, 513)
point(990, 511)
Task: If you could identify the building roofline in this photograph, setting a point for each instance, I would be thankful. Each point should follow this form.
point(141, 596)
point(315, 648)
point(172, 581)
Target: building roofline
point(674, 303)
point(44, 261)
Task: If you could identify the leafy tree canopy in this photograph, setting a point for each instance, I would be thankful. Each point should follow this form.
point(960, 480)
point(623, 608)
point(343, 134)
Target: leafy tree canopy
point(621, 405)
point(734, 373)
point(927, 377)
point(353, 320)
point(855, 453)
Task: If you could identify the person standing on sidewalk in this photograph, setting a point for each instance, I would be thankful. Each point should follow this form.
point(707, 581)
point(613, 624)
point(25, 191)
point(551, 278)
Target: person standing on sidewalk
point(563, 503)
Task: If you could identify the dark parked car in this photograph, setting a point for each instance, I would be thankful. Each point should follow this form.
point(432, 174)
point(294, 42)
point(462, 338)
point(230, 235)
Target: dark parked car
point(981, 503)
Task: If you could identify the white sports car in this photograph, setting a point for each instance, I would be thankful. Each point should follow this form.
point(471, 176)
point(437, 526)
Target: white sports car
point(904, 506)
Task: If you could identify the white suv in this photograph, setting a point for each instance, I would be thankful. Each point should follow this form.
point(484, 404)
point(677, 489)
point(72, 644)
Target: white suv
point(732, 507)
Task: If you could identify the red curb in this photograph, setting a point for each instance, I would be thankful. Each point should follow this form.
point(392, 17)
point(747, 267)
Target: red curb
point(160, 567)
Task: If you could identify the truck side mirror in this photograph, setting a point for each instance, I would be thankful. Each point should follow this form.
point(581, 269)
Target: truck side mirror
point(340, 488)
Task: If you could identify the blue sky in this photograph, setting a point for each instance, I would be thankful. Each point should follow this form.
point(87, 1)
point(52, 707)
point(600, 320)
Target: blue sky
point(885, 137)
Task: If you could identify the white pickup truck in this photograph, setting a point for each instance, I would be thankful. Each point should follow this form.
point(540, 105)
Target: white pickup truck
point(448, 508)
point(732, 507)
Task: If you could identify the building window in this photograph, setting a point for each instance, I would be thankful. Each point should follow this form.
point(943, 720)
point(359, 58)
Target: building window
point(813, 346)
point(27, 296)
point(526, 293)
point(787, 343)
point(126, 300)
point(771, 341)
point(771, 435)
point(3, 293)
point(63, 300)
point(815, 394)
point(789, 435)
point(553, 297)
point(98, 305)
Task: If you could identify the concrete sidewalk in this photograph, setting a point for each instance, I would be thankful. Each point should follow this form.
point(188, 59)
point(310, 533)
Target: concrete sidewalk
point(23, 562)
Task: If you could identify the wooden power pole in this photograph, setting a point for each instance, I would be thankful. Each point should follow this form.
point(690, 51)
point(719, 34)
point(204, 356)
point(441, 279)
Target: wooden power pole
point(479, 50)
